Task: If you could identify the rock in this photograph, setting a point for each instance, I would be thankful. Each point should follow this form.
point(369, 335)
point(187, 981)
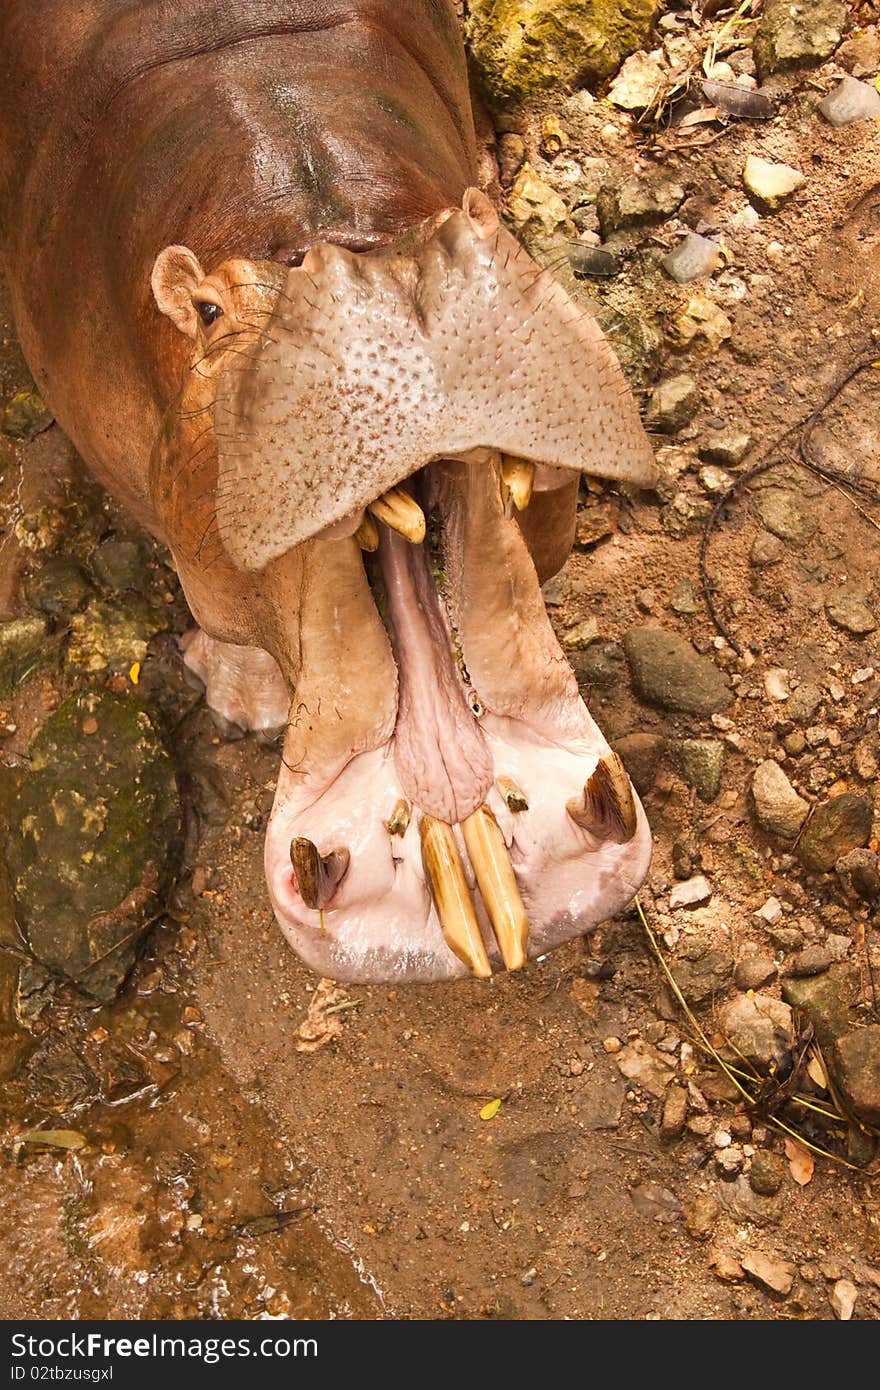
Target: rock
point(860, 54)
point(778, 808)
point(106, 634)
point(637, 202)
point(25, 416)
point(640, 1062)
point(776, 685)
point(700, 1216)
point(532, 199)
point(859, 874)
point(775, 1275)
point(93, 836)
point(667, 671)
point(511, 157)
point(767, 1172)
point(796, 35)
point(652, 1200)
point(693, 256)
point(683, 600)
point(582, 635)
point(770, 184)
point(812, 960)
point(675, 1108)
point(770, 912)
point(702, 974)
point(802, 707)
point(22, 647)
point(700, 763)
point(691, 893)
point(725, 1265)
point(865, 761)
point(850, 101)
point(596, 522)
point(848, 612)
point(59, 587)
point(641, 754)
point(766, 550)
point(742, 1204)
point(782, 513)
point(553, 591)
point(727, 448)
point(754, 971)
point(829, 1001)
point(714, 479)
point(685, 515)
point(836, 827)
point(526, 47)
point(639, 82)
point(701, 319)
point(759, 1028)
point(843, 1299)
point(600, 664)
point(856, 1064)
point(118, 565)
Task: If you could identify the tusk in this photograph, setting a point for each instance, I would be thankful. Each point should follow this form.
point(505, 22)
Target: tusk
point(606, 806)
point(493, 871)
point(517, 481)
point(401, 512)
point(398, 822)
point(366, 534)
point(452, 899)
point(317, 875)
point(514, 797)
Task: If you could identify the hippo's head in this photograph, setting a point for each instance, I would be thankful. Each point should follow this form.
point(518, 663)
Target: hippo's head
point(372, 465)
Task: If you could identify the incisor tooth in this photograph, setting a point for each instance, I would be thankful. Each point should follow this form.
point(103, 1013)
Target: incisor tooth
point(606, 805)
point(517, 480)
point(317, 875)
point(398, 822)
point(443, 865)
point(401, 512)
point(366, 534)
point(515, 799)
point(493, 871)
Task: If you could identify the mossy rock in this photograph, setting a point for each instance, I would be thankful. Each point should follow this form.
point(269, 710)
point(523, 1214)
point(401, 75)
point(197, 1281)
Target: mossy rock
point(524, 48)
point(93, 838)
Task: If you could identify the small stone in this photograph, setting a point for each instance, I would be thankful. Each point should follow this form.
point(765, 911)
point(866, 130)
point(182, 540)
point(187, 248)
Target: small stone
point(667, 671)
point(600, 664)
point(611, 1045)
point(728, 448)
point(812, 960)
point(770, 912)
point(702, 319)
point(799, 34)
point(700, 1216)
point(829, 1000)
point(766, 550)
point(843, 1299)
point(685, 515)
point(802, 706)
point(58, 587)
point(22, 648)
point(767, 1172)
point(836, 827)
point(582, 635)
point(702, 973)
point(596, 522)
point(778, 808)
point(759, 1028)
point(640, 1062)
point(850, 101)
point(683, 600)
point(641, 755)
point(532, 199)
point(673, 404)
point(729, 1162)
point(848, 612)
point(656, 1202)
point(511, 157)
point(693, 256)
point(553, 592)
point(753, 971)
point(770, 184)
point(25, 416)
point(638, 83)
point(857, 1071)
point(691, 893)
point(700, 763)
point(794, 743)
point(646, 600)
point(591, 262)
point(782, 512)
point(714, 480)
point(859, 874)
point(529, 1277)
point(637, 202)
point(860, 54)
point(118, 565)
point(776, 685)
point(865, 763)
point(773, 1274)
point(553, 138)
point(675, 1107)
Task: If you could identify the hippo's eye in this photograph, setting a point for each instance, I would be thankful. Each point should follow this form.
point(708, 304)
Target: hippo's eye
point(208, 311)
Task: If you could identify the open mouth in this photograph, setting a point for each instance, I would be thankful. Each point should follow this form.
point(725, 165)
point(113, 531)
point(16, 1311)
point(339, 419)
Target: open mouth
point(491, 822)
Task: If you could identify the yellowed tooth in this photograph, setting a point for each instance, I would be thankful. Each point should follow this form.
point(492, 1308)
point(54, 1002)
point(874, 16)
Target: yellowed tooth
point(366, 534)
point(517, 480)
point(606, 806)
point(317, 875)
point(496, 880)
point(445, 871)
point(398, 822)
point(515, 799)
point(401, 512)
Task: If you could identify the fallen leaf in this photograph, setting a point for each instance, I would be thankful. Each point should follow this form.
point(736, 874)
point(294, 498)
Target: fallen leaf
point(489, 1111)
point(800, 1161)
point(816, 1071)
point(54, 1138)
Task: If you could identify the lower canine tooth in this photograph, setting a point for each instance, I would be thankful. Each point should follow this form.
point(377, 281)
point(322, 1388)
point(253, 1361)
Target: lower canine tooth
point(517, 480)
point(514, 798)
point(606, 805)
point(398, 822)
point(401, 512)
point(498, 887)
point(366, 534)
point(317, 875)
point(443, 865)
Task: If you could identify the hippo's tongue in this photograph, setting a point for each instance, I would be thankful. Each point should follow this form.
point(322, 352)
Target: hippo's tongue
point(442, 759)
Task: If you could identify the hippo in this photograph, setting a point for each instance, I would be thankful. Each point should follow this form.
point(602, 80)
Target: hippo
point(256, 278)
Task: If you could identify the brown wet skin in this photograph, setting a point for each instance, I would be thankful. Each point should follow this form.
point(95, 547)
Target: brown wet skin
point(351, 349)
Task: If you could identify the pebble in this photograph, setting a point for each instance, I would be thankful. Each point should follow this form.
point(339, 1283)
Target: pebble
point(860, 53)
point(767, 1172)
point(683, 600)
point(700, 763)
point(25, 416)
point(582, 635)
point(752, 972)
point(637, 84)
point(640, 1062)
point(848, 612)
point(675, 1108)
point(728, 448)
point(850, 101)
point(836, 827)
point(756, 1026)
point(673, 404)
point(725, 1265)
point(859, 873)
point(667, 671)
point(532, 199)
point(812, 960)
point(783, 513)
point(700, 1216)
point(693, 257)
point(774, 1274)
point(776, 686)
point(766, 550)
point(797, 35)
point(641, 754)
point(636, 202)
point(803, 704)
point(714, 480)
point(857, 1068)
point(843, 1299)
point(691, 893)
point(729, 1162)
point(770, 184)
point(770, 911)
point(511, 157)
point(778, 808)
point(701, 318)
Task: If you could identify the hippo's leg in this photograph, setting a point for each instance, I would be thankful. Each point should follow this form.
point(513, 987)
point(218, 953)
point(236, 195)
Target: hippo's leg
point(244, 687)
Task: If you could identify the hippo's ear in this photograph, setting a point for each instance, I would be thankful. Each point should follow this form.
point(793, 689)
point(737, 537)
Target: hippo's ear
point(176, 277)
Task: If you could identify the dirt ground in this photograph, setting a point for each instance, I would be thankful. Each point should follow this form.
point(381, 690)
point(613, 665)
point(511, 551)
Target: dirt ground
point(225, 1172)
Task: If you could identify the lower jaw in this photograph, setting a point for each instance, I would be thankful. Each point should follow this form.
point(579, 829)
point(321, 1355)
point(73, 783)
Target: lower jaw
point(383, 925)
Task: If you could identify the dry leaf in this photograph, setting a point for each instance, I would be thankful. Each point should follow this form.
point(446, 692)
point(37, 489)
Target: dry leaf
point(321, 1026)
point(54, 1138)
point(800, 1161)
point(489, 1111)
point(816, 1071)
